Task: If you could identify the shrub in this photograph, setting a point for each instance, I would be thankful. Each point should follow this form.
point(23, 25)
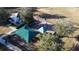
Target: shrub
point(54, 42)
point(64, 29)
point(49, 42)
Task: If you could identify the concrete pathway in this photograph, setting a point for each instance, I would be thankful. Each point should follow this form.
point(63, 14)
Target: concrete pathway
point(8, 45)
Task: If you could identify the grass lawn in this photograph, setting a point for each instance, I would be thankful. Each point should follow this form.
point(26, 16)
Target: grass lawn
point(71, 14)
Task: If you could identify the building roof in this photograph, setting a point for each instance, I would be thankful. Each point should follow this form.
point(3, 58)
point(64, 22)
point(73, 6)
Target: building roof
point(26, 33)
point(15, 19)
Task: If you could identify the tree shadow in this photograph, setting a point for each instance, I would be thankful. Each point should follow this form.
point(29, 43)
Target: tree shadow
point(55, 16)
point(34, 9)
point(75, 48)
point(10, 7)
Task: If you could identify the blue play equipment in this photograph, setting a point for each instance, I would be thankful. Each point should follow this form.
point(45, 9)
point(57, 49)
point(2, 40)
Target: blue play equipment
point(16, 20)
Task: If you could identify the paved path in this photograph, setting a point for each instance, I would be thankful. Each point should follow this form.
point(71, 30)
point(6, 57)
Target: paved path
point(8, 45)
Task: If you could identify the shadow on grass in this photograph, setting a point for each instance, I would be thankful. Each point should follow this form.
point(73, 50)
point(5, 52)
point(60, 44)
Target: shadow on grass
point(34, 9)
point(55, 16)
point(75, 48)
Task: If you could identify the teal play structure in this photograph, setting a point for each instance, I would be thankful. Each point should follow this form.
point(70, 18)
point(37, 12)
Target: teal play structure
point(26, 33)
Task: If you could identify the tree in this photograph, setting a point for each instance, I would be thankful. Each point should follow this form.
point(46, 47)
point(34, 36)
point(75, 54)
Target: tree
point(64, 29)
point(54, 42)
point(25, 13)
point(3, 15)
point(49, 42)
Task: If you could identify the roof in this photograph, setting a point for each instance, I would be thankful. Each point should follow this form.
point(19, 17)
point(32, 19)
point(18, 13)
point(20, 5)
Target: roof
point(14, 14)
point(23, 33)
point(15, 19)
point(26, 33)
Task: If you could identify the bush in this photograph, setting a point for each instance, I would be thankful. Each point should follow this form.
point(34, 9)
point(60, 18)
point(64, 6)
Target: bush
point(49, 42)
point(45, 42)
point(54, 42)
point(64, 29)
